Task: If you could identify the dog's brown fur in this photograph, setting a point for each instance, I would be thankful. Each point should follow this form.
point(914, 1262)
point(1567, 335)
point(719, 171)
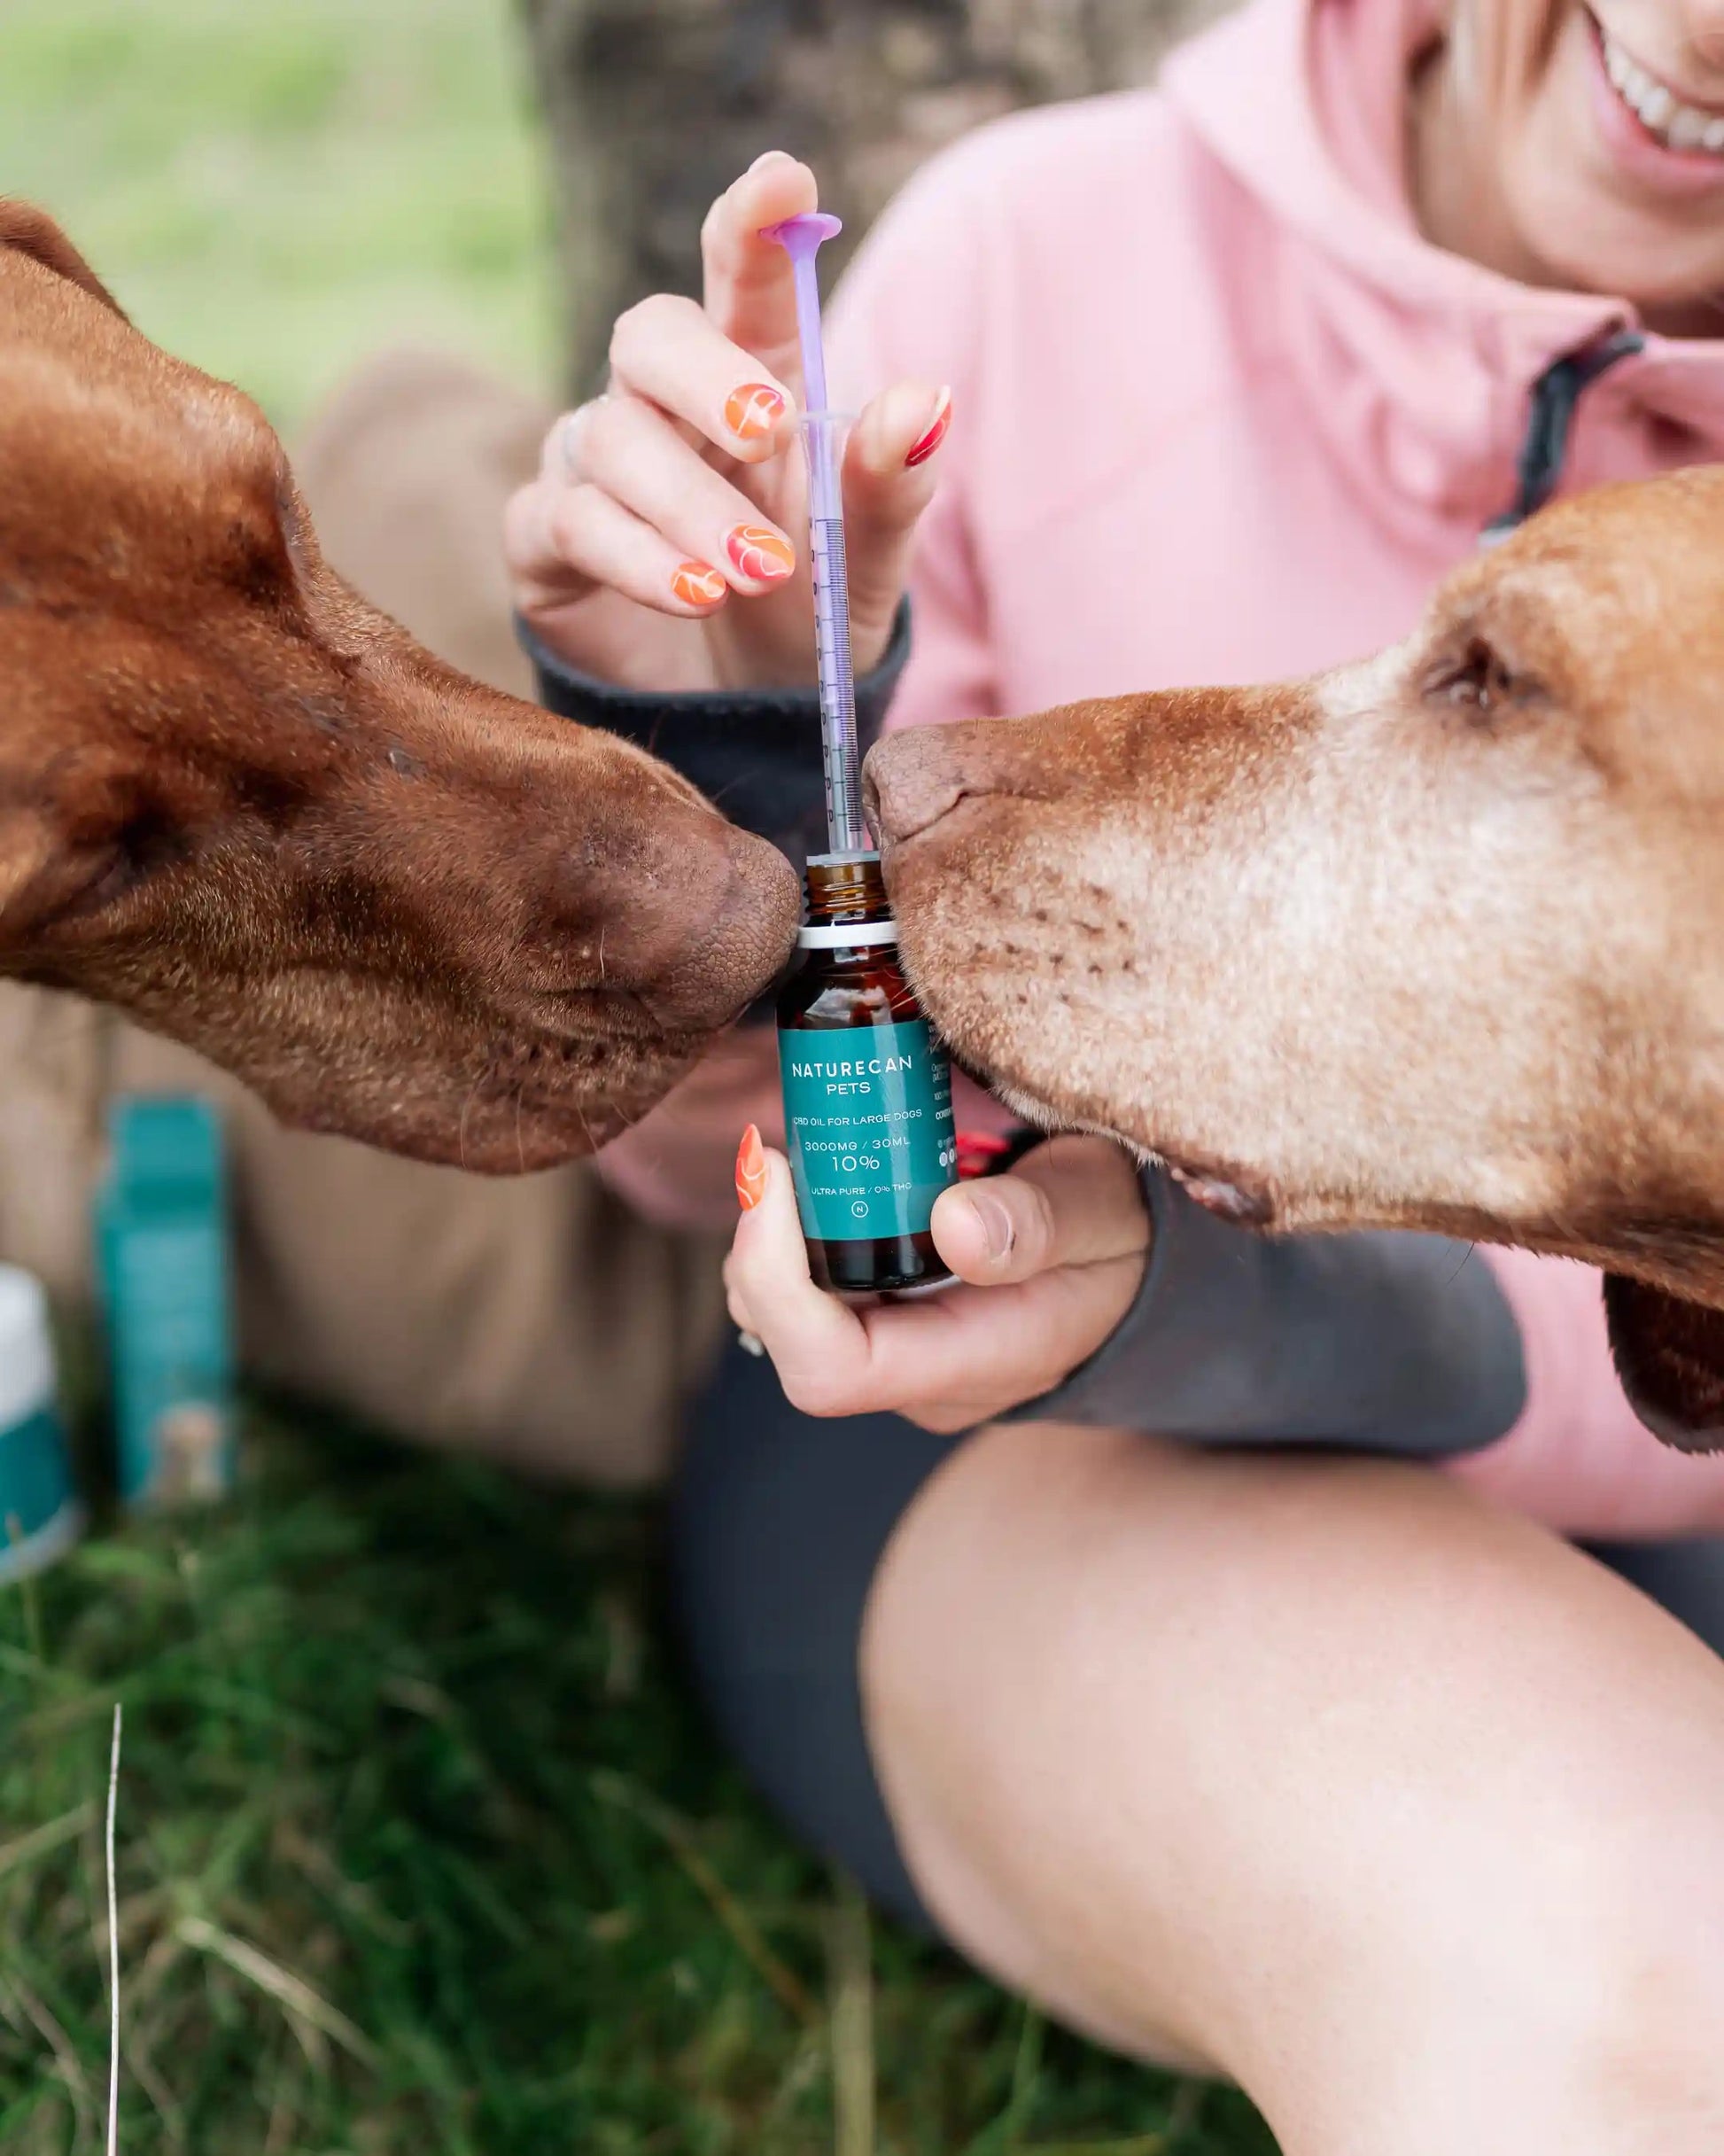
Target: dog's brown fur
point(249, 809)
point(1435, 941)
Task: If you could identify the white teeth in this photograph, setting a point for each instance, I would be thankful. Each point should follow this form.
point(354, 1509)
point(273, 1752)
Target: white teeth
point(1659, 109)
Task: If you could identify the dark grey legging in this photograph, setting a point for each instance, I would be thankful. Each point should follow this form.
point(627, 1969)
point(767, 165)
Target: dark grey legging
point(779, 1522)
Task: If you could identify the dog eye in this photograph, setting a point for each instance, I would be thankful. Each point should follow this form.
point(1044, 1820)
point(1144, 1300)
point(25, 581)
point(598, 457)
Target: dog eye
point(148, 840)
point(1480, 681)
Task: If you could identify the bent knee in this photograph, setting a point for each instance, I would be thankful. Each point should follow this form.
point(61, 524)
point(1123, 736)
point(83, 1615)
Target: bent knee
point(1218, 1760)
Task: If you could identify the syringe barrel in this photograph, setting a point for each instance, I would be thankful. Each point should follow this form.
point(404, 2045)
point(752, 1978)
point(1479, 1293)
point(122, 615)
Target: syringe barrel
point(824, 435)
point(843, 763)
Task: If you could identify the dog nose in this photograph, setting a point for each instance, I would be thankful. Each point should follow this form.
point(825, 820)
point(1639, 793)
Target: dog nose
point(706, 924)
point(912, 779)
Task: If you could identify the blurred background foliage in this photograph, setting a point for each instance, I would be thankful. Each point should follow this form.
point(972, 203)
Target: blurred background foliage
point(274, 191)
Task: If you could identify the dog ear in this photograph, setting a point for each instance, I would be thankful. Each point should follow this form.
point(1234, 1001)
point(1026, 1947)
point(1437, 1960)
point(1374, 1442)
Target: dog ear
point(34, 232)
point(1670, 1357)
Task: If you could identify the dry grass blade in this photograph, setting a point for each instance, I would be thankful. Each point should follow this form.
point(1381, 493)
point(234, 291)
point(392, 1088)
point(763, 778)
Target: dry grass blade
point(850, 1963)
point(65, 2055)
point(38, 1842)
point(297, 1998)
point(783, 1982)
point(113, 1944)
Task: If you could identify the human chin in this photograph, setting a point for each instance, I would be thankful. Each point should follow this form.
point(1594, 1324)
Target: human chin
point(1607, 201)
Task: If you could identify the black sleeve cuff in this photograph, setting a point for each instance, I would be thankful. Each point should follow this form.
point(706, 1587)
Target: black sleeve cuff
point(1387, 1343)
point(754, 753)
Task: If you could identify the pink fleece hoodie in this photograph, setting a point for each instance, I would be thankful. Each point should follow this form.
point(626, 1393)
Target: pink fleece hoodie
point(1222, 414)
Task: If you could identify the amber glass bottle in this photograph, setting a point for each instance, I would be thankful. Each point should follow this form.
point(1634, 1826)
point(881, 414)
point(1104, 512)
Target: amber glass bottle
point(867, 1092)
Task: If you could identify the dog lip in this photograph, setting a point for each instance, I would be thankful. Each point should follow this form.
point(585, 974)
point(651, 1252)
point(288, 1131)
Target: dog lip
point(1228, 1198)
point(597, 1009)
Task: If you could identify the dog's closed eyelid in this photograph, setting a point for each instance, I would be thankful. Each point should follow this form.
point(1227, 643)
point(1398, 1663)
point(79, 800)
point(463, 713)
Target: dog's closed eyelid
point(1473, 673)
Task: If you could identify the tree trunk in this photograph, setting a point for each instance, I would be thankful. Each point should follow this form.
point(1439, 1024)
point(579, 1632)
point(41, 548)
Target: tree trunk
point(654, 106)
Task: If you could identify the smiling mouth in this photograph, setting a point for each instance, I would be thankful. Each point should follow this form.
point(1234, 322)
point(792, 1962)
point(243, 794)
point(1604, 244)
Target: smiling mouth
point(1669, 119)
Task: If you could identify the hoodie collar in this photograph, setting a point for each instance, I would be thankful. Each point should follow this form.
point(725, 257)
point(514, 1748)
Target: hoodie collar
point(1417, 363)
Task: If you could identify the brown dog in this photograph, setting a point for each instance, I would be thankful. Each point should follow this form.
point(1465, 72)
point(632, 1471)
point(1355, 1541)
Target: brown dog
point(247, 808)
point(1434, 941)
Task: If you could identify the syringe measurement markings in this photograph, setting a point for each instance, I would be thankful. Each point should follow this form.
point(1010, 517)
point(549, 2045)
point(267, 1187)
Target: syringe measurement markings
point(844, 776)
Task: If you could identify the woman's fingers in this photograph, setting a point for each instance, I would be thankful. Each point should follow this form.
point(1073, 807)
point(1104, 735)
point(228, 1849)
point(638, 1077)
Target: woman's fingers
point(634, 454)
point(565, 541)
point(624, 502)
point(816, 1344)
point(627, 498)
point(749, 289)
point(669, 352)
point(891, 470)
point(1072, 1202)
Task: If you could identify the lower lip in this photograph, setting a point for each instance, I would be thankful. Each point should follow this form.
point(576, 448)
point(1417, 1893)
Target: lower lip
point(1686, 173)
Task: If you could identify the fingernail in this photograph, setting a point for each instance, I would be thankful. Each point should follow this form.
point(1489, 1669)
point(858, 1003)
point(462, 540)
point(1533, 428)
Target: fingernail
point(698, 584)
point(997, 1228)
point(750, 1171)
point(753, 411)
point(976, 1153)
point(934, 434)
point(761, 553)
point(771, 157)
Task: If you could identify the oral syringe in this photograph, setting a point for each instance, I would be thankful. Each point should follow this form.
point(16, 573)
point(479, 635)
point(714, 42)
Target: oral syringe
point(823, 439)
point(867, 1088)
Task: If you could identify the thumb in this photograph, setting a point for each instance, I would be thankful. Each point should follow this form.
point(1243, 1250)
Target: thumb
point(1073, 1201)
point(890, 471)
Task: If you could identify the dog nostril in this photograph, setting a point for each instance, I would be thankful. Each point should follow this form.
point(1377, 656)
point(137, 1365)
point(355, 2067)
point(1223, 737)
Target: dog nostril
point(721, 924)
point(910, 780)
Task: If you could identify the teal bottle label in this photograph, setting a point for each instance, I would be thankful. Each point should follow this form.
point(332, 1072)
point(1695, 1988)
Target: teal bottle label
point(167, 1287)
point(868, 1111)
point(36, 1479)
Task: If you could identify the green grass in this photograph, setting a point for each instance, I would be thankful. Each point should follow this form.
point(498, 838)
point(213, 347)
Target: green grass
point(422, 1846)
point(273, 191)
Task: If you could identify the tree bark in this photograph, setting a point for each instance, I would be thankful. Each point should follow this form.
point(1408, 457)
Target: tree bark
point(654, 106)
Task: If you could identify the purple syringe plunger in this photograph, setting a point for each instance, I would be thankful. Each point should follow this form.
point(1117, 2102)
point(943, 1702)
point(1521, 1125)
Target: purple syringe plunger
point(802, 237)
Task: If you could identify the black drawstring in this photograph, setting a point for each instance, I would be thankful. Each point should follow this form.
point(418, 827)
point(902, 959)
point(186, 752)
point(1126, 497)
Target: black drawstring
point(1550, 415)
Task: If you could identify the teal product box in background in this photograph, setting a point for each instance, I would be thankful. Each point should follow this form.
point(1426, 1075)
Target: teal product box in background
point(162, 1262)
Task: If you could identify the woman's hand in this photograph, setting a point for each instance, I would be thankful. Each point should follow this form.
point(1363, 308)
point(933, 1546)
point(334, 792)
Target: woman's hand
point(1051, 1254)
point(682, 490)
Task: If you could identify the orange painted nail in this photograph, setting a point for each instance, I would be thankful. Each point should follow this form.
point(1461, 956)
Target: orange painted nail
point(933, 435)
point(761, 553)
point(698, 584)
point(750, 1171)
point(753, 411)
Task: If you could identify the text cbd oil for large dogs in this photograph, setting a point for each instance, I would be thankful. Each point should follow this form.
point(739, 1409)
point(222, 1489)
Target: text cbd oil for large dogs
point(867, 1090)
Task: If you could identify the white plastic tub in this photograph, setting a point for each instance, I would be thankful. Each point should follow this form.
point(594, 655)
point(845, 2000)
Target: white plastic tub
point(40, 1513)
